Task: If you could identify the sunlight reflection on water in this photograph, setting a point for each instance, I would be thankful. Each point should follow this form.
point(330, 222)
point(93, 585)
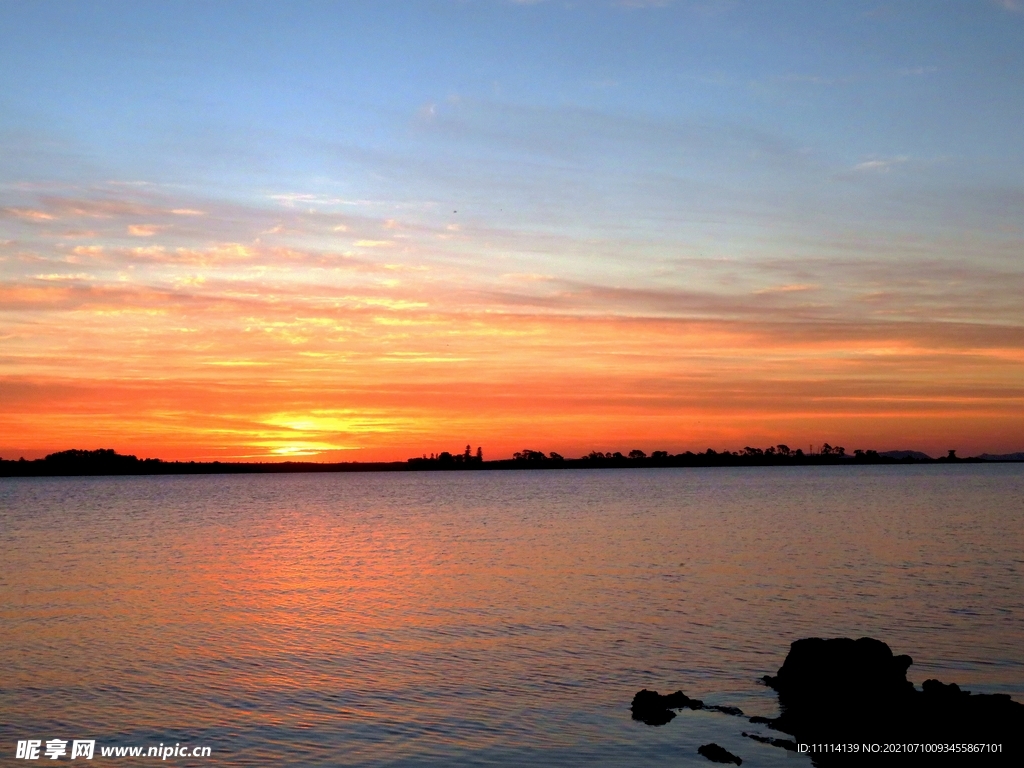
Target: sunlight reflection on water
point(485, 618)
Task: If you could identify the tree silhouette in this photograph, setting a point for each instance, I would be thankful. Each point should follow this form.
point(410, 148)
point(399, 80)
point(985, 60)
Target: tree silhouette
point(528, 455)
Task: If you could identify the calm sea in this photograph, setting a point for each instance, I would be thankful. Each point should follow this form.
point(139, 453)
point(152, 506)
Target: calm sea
point(487, 618)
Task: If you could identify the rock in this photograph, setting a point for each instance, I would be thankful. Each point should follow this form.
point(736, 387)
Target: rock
point(735, 711)
point(841, 671)
point(856, 692)
point(717, 754)
point(783, 743)
point(652, 708)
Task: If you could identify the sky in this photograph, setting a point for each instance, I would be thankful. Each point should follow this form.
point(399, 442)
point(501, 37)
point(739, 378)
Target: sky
point(352, 231)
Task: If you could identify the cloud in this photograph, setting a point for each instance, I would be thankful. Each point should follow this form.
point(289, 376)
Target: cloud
point(787, 288)
point(144, 230)
point(291, 199)
point(881, 165)
point(427, 112)
point(224, 253)
point(28, 214)
point(60, 277)
point(817, 79)
point(1014, 6)
point(87, 250)
point(97, 208)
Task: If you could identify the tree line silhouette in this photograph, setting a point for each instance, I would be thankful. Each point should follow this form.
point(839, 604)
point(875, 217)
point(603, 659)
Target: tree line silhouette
point(780, 454)
point(772, 454)
point(465, 458)
point(106, 461)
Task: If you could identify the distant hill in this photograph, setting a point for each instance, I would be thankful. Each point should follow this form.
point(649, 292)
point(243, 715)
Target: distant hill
point(1019, 456)
point(899, 455)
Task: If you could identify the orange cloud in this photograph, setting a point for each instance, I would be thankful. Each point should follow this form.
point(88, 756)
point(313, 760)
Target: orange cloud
point(213, 344)
point(143, 230)
point(337, 382)
point(27, 214)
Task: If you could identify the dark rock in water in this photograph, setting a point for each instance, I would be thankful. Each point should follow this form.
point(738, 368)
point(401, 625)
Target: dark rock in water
point(848, 702)
point(844, 691)
point(783, 743)
point(735, 711)
point(654, 709)
point(841, 670)
point(717, 754)
point(653, 716)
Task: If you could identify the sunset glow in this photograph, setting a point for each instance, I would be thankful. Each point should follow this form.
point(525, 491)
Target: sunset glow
point(279, 257)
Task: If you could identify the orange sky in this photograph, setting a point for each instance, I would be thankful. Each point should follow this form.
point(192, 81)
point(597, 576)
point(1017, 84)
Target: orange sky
point(119, 332)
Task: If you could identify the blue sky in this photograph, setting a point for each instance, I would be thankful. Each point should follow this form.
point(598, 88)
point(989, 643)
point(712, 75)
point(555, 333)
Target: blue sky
point(242, 96)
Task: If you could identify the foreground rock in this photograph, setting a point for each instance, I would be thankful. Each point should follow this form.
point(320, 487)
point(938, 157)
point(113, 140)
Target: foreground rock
point(783, 743)
point(848, 702)
point(717, 754)
point(856, 692)
point(655, 709)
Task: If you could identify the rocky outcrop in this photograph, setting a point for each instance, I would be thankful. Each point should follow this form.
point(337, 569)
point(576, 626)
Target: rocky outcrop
point(843, 691)
point(717, 754)
point(783, 743)
point(653, 708)
point(855, 693)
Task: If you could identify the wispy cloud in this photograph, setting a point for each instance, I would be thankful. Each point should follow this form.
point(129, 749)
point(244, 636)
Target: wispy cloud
point(333, 290)
point(144, 230)
point(64, 277)
point(28, 214)
point(791, 288)
point(881, 165)
point(817, 79)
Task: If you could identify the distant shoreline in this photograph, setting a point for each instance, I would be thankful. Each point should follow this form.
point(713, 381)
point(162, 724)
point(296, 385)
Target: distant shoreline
point(112, 464)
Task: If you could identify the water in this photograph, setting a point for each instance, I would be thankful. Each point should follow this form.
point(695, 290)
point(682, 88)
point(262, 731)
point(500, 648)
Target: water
point(489, 618)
